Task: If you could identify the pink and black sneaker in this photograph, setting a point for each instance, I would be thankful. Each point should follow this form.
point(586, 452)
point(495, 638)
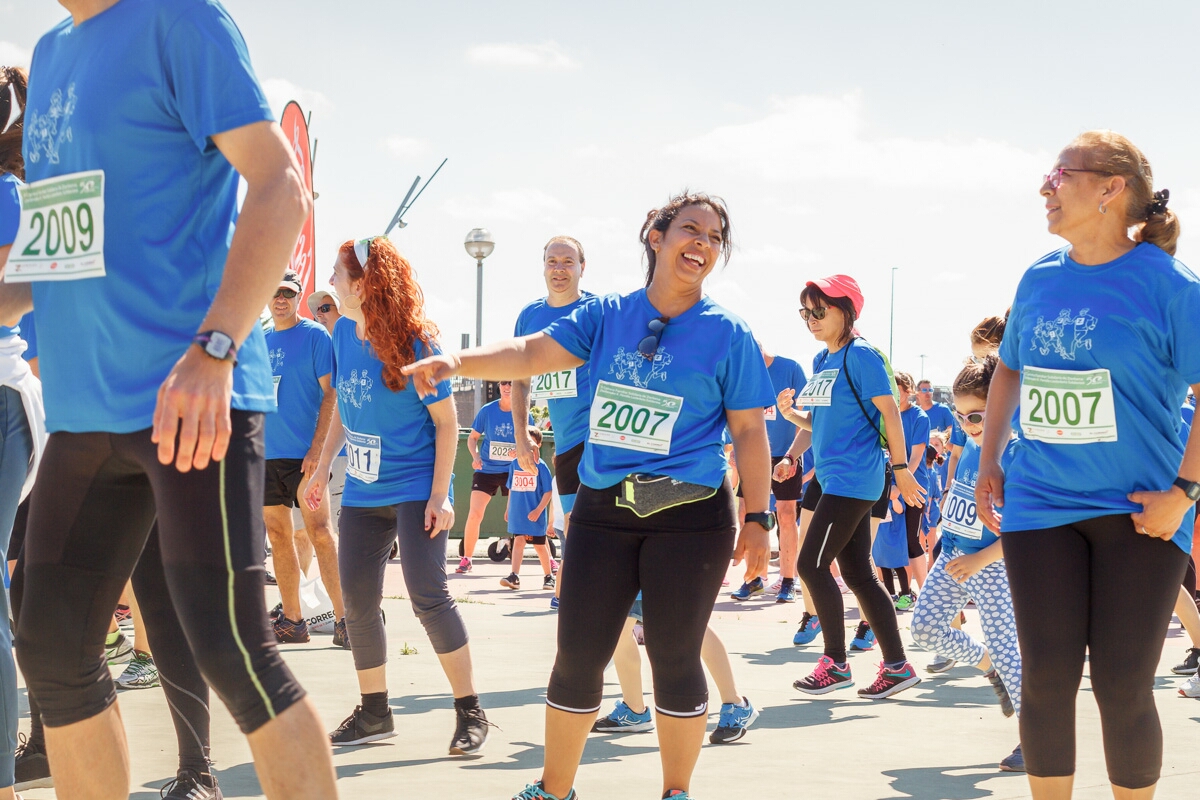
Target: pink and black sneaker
point(825, 678)
point(891, 681)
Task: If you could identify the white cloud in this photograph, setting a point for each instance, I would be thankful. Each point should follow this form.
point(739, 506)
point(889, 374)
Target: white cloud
point(512, 205)
point(405, 146)
point(13, 55)
point(280, 91)
point(595, 152)
point(946, 276)
point(547, 55)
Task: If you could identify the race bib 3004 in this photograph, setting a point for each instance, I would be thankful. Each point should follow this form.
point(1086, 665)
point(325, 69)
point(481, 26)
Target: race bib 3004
point(524, 482)
point(1067, 407)
point(61, 233)
point(632, 418)
point(819, 389)
point(553, 385)
point(362, 456)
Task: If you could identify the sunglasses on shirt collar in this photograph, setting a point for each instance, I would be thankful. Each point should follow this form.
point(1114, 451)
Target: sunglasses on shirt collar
point(648, 346)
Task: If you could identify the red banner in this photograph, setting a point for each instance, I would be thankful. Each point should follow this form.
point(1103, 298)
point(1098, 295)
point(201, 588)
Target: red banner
point(295, 127)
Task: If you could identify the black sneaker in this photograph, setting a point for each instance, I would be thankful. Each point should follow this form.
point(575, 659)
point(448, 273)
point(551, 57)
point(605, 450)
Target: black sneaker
point(1190, 664)
point(33, 768)
point(548, 582)
point(511, 582)
point(1006, 703)
point(276, 612)
point(341, 637)
point(188, 785)
point(361, 727)
point(471, 733)
point(1014, 762)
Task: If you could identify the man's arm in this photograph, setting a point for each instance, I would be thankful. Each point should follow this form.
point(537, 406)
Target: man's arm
point(324, 417)
point(526, 449)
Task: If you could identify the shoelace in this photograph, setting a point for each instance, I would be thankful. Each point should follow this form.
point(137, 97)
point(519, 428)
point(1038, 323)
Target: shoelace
point(464, 718)
point(186, 778)
point(861, 631)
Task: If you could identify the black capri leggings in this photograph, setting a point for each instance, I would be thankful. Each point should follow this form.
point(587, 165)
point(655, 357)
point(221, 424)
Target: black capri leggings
point(912, 529)
point(677, 559)
point(1096, 588)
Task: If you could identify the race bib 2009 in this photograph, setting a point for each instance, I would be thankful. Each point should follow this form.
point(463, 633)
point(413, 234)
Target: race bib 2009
point(61, 233)
point(362, 456)
point(819, 389)
point(553, 385)
point(1068, 407)
point(632, 418)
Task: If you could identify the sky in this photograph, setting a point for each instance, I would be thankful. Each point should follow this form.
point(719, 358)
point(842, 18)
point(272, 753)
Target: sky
point(875, 139)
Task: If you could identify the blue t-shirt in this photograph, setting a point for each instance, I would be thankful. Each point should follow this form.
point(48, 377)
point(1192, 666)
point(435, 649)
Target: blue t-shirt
point(10, 221)
point(707, 361)
point(525, 493)
point(958, 437)
point(568, 415)
point(845, 441)
point(785, 374)
point(138, 91)
point(498, 441)
point(390, 436)
point(961, 525)
point(890, 548)
point(916, 432)
point(300, 357)
point(1136, 317)
point(940, 417)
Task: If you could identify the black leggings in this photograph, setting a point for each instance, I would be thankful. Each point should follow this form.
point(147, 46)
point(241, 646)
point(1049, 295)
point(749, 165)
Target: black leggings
point(841, 529)
point(1099, 589)
point(912, 529)
point(677, 559)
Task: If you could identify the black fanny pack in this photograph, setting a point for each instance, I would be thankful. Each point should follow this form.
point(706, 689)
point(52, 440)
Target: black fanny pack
point(646, 495)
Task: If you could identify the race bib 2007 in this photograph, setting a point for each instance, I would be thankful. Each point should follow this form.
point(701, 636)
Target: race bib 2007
point(61, 233)
point(960, 516)
point(362, 456)
point(632, 418)
point(1067, 407)
point(502, 451)
point(819, 389)
point(553, 385)
point(524, 482)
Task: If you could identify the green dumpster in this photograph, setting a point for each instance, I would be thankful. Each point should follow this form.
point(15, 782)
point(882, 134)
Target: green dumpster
point(493, 520)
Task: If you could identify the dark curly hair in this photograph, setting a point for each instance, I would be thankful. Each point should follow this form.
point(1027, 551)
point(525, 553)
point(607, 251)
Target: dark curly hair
point(660, 219)
point(393, 306)
point(11, 160)
point(976, 378)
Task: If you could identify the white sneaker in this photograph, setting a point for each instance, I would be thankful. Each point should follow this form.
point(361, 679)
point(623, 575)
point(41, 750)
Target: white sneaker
point(1191, 687)
point(140, 673)
point(842, 585)
point(774, 588)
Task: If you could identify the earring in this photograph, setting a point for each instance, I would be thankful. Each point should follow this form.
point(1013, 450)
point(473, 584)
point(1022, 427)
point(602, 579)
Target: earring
point(352, 302)
point(1103, 208)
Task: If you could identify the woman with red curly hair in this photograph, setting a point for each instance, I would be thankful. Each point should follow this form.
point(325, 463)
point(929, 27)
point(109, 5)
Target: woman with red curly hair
point(400, 456)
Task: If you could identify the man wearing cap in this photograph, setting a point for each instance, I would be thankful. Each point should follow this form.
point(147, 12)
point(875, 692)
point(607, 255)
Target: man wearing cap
point(301, 354)
point(325, 307)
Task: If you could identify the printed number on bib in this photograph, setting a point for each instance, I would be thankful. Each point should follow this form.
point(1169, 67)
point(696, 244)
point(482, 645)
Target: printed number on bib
point(553, 385)
point(362, 456)
point(275, 379)
point(819, 389)
point(633, 418)
point(61, 237)
point(961, 516)
point(769, 413)
point(502, 451)
point(1068, 407)
point(524, 482)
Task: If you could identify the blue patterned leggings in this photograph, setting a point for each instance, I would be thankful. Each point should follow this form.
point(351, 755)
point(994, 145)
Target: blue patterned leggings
point(942, 598)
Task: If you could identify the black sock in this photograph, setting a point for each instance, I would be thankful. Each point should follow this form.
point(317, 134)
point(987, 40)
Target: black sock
point(787, 582)
point(467, 703)
point(889, 581)
point(903, 573)
point(199, 765)
point(375, 704)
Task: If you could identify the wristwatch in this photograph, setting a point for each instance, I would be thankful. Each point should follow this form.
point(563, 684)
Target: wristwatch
point(899, 466)
point(764, 518)
point(1190, 488)
point(217, 345)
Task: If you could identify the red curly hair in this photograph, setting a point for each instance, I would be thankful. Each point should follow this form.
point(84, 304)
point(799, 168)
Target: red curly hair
point(393, 306)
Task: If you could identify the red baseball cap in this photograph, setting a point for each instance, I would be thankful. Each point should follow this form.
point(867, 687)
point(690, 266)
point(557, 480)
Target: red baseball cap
point(841, 286)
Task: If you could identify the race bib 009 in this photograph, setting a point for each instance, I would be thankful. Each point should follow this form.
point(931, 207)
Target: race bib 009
point(632, 418)
point(1068, 407)
point(960, 516)
point(362, 456)
point(61, 233)
point(553, 385)
point(819, 389)
point(502, 451)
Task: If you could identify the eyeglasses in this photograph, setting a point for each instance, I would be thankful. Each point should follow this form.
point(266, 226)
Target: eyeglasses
point(287, 294)
point(648, 346)
point(1054, 179)
point(505, 383)
point(813, 313)
point(325, 308)
point(974, 418)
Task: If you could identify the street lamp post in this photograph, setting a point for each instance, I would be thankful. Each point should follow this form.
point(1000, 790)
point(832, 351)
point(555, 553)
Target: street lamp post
point(922, 366)
point(479, 246)
point(892, 315)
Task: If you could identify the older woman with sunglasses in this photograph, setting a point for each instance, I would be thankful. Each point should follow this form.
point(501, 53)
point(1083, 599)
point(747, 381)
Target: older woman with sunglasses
point(670, 370)
point(1098, 353)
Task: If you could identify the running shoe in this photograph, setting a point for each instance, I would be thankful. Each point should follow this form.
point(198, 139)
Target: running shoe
point(786, 593)
point(676, 794)
point(341, 636)
point(864, 638)
point(1190, 664)
point(513, 581)
point(534, 791)
point(725, 581)
point(1191, 687)
point(1014, 762)
point(189, 785)
point(270, 579)
point(810, 626)
point(639, 634)
point(553, 567)
point(752, 589)
point(825, 678)
point(890, 682)
point(624, 720)
point(395, 551)
point(33, 768)
point(906, 601)
point(140, 673)
point(734, 721)
point(361, 727)
point(290, 631)
point(124, 615)
point(464, 566)
point(470, 732)
point(775, 587)
point(554, 604)
point(276, 612)
point(940, 664)
point(1006, 703)
point(119, 651)
point(841, 584)
point(548, 581)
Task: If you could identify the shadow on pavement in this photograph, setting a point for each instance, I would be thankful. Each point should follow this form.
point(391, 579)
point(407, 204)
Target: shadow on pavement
point(601, 748)
point(782, 655)
point(927, 782)
point(238, 780)
point(423, 703)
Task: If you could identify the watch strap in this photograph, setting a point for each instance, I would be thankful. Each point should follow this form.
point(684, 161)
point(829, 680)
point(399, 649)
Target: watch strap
point(764, 518)
point(899, 466)
point(1190, 488)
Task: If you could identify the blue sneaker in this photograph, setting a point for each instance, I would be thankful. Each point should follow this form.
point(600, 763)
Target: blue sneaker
point(734, 722)
point(748, 590)
point(554, 604)
point(1014, 762)
point(787, 592)
point(676, 794)
point(624, 720)
point(534, 791)
point(864, 638)
point(810, 626)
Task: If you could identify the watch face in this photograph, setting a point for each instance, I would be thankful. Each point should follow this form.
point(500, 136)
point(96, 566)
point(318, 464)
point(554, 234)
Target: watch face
point(218, 345)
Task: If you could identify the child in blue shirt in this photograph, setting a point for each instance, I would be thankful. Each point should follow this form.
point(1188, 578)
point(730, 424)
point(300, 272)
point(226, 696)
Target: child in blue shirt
point(530, 515)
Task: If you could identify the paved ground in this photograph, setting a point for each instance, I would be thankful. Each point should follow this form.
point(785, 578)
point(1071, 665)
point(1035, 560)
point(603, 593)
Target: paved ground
point(941, 739)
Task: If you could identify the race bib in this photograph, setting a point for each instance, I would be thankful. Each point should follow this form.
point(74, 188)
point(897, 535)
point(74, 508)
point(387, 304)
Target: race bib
point(524, 482)
point(960, 515)
point(362, 456)
point(502, 451)
point(61, 234)
point(275, 379)
point(1068, 407)
point(553, 385)
point(769, 413)
point(633, 418)
point(819, 389)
